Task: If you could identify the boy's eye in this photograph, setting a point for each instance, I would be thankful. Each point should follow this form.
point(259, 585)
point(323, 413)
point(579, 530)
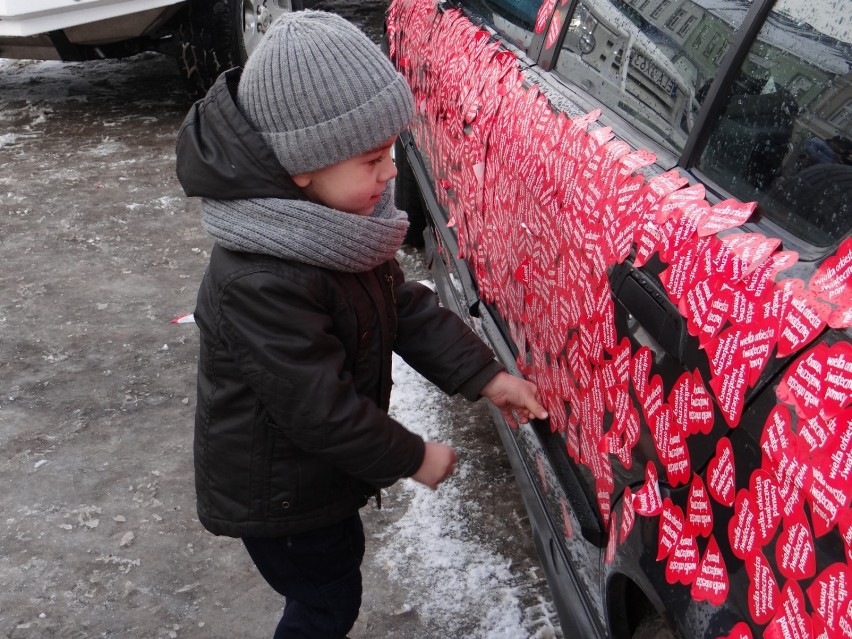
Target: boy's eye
point(377, 160)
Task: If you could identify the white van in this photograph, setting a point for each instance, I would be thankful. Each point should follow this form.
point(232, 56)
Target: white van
point(204, 36)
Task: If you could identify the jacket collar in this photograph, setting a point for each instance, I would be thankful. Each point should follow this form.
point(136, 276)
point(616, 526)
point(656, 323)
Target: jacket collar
point(220, 156)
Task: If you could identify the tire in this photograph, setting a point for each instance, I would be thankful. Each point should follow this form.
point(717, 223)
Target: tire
point(654, 627)
point(217, 35)
point(407, 198)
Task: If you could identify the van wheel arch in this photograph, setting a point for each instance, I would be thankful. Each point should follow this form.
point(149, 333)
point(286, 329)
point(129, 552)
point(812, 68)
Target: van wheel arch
point(632, 615)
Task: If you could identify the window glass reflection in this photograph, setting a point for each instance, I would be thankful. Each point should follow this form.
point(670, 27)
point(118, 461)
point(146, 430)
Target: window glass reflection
point(513, 19)
point(784, 137)
point(650, 60)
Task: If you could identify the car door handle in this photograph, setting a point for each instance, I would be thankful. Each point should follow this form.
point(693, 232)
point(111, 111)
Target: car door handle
point(644, 298)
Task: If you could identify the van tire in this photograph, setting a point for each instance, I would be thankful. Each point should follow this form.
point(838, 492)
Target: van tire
point(210, 42)
point(407, 198)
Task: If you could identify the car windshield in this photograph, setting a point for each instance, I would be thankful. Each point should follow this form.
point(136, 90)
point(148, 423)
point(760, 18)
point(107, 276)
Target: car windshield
point(784, 136)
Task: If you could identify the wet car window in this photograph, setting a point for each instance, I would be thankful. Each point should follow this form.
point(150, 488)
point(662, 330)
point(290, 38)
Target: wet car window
point(652, 61)
point(513, 19)
point(784, 137)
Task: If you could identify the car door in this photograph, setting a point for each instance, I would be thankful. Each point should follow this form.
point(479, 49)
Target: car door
point(624, 229)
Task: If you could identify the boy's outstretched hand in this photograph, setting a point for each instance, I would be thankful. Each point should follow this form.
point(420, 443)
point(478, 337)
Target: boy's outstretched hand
point(515, 397)
point(438, 464)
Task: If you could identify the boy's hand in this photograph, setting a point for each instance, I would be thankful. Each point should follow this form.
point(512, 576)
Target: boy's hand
point(438, 464)
point(514, 397)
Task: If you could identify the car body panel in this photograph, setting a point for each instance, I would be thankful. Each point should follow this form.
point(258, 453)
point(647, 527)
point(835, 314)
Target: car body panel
point(624, 342)
point(26, 17)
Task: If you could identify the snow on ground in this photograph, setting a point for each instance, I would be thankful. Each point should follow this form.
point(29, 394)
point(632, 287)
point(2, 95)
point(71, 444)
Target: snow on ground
point(434, 548)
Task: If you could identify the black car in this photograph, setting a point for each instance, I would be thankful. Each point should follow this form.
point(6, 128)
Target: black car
point(644, 206)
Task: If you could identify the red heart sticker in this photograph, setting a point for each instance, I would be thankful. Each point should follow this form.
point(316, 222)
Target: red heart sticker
point(628, 515)
point(794, 479)
point(620, 362)
point(832, 281)
point(803, 321)
point(617, 440)
point(553, 30)
point(682, 564)
point(794, 550)
point(724, 351)
point(670, 528)
point(661, 430)
point(836, 458)
point(679, 235)
point(744, 310)
point(776, 302)
point(766, 505)
point(653, 401)
point(671, 207)
point(829, 595)
point(720, 474)
point(678, 465)
point(841, 317)
point(791, 620)
point(699, 514)
point(730, 388)
point(758, 278)
point(752, 248)
point(647, 500)
point(820, 631)
point(679, 400)
point(827, 501)
point(707, 306)
point(804, 384)
point(711, 583)
point(543, 15)
point(719, 260)
point(742, 528)
point(700, 407)
point(838, 378)
point(777, 434)
point(725, 215)
point(739, 631)
point(756, 343)
point(641, 366)
point(683, 270)
point(649, 238)
point(763, 592)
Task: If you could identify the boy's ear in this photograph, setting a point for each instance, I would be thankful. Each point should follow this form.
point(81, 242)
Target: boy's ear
point(302, 180)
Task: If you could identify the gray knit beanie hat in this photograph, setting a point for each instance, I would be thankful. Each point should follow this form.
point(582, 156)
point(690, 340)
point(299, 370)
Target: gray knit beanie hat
point(318, 91)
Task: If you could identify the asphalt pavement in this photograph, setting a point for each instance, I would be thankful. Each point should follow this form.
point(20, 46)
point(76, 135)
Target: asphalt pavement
point(100, 252)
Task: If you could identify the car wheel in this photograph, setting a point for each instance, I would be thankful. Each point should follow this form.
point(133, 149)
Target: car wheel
point(654, 627)
point(407, 197)
point(220, 34)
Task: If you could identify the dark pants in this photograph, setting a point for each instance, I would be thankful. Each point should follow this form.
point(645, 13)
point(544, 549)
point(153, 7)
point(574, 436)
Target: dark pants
point(319, 574)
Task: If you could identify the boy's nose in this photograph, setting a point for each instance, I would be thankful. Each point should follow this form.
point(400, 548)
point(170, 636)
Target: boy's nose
point(390, 173)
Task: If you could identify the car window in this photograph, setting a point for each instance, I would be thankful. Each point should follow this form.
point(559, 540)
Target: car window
point(784, 137)
point(652, 61)
point(513, 19)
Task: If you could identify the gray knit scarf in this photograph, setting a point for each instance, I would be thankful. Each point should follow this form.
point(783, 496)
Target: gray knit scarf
point(306, 232)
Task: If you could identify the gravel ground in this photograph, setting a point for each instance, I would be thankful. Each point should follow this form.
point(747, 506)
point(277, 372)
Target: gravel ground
point(98, 535)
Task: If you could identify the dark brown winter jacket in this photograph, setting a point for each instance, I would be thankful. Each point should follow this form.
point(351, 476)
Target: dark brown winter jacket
point(294, 372)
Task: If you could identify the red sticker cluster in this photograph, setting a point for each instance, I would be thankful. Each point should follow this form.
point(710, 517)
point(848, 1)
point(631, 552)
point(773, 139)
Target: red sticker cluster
point(543, 206)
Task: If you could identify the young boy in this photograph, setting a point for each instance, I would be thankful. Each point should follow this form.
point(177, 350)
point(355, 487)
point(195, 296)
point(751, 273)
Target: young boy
point(300, 308)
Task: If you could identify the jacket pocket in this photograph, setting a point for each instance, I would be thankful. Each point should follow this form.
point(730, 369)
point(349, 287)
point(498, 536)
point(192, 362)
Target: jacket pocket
point(282, 474)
